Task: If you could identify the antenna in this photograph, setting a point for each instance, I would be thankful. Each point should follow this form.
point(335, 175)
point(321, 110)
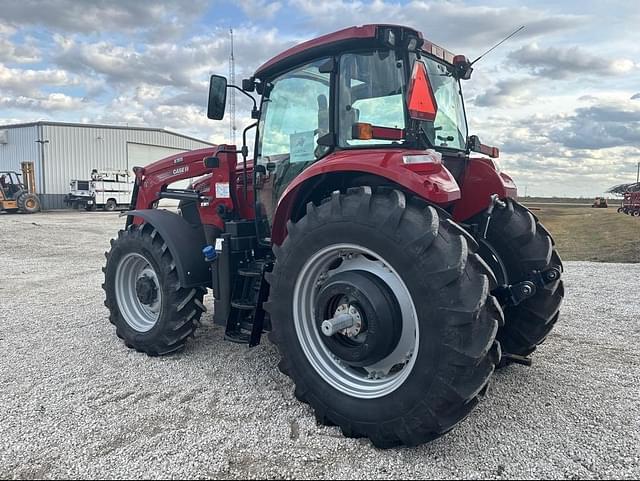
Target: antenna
point(499, 43)
point(232, 99)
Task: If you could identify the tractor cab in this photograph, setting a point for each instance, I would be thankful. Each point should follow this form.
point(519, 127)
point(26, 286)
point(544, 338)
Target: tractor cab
point(365, 91)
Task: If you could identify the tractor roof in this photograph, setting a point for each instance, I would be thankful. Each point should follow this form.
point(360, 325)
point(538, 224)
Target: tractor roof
point(351, 37)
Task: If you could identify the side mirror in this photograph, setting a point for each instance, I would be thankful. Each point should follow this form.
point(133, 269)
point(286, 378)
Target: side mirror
point(217, 97)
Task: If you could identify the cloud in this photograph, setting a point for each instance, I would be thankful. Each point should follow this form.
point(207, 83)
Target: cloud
point(185, 65)
point(10, 51)
point(91, 16)
point(586, 133)
point(505, 93)
point(187, 119)
point(256, 9)
point(601, 126)
point(28, 81)
point(636, 96)
point(51, 102)
point(452, 24)
point(562, 63)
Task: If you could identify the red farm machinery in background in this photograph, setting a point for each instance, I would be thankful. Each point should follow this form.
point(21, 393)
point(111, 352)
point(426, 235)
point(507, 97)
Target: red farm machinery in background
point(630, 193)
point(630, 204)
point(393, 268)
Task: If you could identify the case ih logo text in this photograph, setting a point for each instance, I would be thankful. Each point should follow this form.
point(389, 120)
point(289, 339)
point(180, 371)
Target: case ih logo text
point(181, 170)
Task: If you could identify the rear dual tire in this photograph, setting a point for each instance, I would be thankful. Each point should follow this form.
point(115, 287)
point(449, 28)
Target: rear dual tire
point(453, 319)
point(523, 247)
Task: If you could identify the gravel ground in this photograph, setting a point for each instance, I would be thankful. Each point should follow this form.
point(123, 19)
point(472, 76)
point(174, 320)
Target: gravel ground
point(74, 402)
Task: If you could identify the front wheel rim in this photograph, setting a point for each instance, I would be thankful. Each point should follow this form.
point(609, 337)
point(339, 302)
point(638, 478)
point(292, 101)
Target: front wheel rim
point(141, 317)
point(368, 382)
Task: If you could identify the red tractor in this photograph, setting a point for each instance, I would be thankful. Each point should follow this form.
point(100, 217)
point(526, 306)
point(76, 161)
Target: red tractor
point(394, 270)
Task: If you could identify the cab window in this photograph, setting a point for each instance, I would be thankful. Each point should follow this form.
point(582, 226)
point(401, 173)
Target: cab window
point(370, 91)
point(295, 114)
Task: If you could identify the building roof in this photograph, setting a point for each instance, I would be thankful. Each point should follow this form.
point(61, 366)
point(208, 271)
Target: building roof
point(101, 126)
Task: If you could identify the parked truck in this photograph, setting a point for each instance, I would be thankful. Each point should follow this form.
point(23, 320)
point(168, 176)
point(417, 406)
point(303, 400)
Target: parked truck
point(108, 190)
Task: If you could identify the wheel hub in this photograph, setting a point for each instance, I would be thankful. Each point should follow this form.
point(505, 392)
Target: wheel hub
point(366, 320)
point(146, 290)
point(334, 280)
point(138, 292)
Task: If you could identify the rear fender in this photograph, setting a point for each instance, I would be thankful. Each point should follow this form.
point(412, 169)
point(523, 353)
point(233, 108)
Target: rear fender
point(432, 182)
point(481, 180)
point(185, 241)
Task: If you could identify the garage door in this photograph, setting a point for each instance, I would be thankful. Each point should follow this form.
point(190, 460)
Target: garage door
point(139, 155)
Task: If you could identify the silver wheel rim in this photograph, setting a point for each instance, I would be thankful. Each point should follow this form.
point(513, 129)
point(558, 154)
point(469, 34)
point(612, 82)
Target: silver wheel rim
point(370, 382)
point(140, 317)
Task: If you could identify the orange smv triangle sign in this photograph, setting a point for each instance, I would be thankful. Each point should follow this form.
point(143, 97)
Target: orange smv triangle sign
point(421, 101)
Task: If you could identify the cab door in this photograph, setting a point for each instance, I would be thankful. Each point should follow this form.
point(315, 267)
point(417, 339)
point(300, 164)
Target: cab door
point(295, 114)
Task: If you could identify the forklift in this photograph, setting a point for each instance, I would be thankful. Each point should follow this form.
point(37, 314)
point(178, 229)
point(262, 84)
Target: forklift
point(16, 195)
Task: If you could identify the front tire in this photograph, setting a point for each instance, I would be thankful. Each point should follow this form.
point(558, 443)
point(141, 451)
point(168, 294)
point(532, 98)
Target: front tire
point(430, 289)
point(28, 203)
point(150, 310)
point(111, 205)
point(524, 246)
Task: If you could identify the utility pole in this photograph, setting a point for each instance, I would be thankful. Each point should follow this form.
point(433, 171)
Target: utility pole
point(232, 98)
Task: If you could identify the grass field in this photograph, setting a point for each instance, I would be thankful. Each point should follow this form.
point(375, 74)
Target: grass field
point(586, 234)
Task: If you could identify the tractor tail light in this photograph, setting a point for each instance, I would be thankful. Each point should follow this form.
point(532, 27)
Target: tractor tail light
point(421, 102)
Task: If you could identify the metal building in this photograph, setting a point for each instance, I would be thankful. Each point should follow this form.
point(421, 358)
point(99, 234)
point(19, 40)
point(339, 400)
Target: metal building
point(66, 151)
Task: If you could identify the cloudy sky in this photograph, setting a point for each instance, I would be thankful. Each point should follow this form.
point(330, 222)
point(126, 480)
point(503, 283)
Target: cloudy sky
point(561, 100)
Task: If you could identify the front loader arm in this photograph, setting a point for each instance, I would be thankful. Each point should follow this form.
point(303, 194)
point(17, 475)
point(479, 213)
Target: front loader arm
point(153, 182)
